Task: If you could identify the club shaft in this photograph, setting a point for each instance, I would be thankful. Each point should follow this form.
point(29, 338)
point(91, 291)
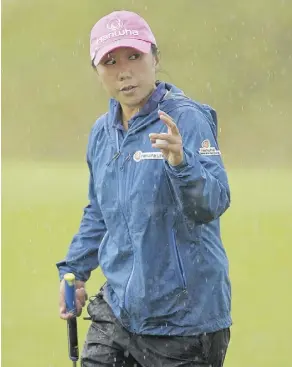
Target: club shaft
point(73, 339)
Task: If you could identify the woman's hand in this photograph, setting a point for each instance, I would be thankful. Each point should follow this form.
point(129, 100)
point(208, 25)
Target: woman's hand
point(169, 143)
point(81, 298)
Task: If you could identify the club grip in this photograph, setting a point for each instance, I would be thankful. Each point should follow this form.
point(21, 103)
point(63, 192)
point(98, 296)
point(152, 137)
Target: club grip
point(70, 292)
point(71, 323)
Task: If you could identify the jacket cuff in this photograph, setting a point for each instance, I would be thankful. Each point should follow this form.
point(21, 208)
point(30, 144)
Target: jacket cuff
point(64, 269)
point(179, 167)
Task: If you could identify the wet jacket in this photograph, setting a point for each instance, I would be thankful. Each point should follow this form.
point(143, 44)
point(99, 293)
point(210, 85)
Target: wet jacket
point(155, 229)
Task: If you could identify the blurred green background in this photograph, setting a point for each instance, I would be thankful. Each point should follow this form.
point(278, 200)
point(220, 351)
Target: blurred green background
point(233, 55)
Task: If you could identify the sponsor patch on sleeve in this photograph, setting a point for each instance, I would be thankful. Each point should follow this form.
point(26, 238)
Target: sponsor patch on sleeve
point(207, 149)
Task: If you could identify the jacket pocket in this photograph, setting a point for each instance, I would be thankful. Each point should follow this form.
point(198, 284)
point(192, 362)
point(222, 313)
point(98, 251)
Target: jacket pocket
point(179, 261)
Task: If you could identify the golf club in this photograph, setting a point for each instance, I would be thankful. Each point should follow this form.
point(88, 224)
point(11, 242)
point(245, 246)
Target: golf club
point(72, 334)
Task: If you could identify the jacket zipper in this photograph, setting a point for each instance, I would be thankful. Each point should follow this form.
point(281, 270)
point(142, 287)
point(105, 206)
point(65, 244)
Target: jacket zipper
point(126, 160)
point(116, 156)
point(118, 153)
point(122, 198)
point(121, 201)
point(179, 261)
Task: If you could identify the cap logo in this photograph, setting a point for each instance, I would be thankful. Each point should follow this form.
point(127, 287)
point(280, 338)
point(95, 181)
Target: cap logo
point(115, 25)
point(117, 30)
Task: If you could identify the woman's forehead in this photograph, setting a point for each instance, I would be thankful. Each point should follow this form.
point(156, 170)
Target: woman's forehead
point(121, 50)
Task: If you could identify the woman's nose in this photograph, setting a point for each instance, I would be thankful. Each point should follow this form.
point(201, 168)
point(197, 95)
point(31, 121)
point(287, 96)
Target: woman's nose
point(124, 74)
point(124, 70)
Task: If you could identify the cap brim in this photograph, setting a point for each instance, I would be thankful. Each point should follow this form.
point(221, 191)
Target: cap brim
point(139, 45)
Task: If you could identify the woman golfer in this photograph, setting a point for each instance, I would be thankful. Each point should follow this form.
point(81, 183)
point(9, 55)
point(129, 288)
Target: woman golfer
point(157, 190)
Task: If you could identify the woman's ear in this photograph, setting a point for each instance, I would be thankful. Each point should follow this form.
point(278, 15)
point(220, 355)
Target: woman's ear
point(157, 63)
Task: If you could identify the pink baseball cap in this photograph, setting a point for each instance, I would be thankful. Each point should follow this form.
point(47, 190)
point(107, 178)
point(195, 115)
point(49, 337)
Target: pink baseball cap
point(119, 29)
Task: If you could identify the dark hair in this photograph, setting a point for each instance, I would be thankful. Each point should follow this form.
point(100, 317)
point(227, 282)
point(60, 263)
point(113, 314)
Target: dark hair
point(154, 49)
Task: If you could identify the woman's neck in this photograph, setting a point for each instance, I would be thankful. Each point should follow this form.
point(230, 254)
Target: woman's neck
point(128, 113)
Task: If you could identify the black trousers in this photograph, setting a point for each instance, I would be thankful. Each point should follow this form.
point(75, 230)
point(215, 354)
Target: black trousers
point(108, 343)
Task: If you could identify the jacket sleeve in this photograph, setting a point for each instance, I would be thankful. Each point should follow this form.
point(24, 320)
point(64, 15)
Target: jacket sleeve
point(200, 183)
point(82, 255)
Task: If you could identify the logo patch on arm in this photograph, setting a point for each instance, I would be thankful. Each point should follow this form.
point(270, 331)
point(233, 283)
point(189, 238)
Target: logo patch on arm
point(139, 156)
point(206, 148)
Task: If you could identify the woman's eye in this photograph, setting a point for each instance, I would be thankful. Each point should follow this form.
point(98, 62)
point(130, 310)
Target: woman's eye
point(134, 56)
point(110, 62)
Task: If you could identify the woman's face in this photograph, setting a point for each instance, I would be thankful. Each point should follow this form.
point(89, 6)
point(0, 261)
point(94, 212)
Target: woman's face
point(128, 75)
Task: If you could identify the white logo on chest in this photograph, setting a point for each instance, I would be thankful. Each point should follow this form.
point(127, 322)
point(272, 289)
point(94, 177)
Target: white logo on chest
point(140, 156)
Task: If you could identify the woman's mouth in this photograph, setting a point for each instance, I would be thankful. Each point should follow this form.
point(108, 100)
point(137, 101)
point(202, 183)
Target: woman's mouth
point(128, 89)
